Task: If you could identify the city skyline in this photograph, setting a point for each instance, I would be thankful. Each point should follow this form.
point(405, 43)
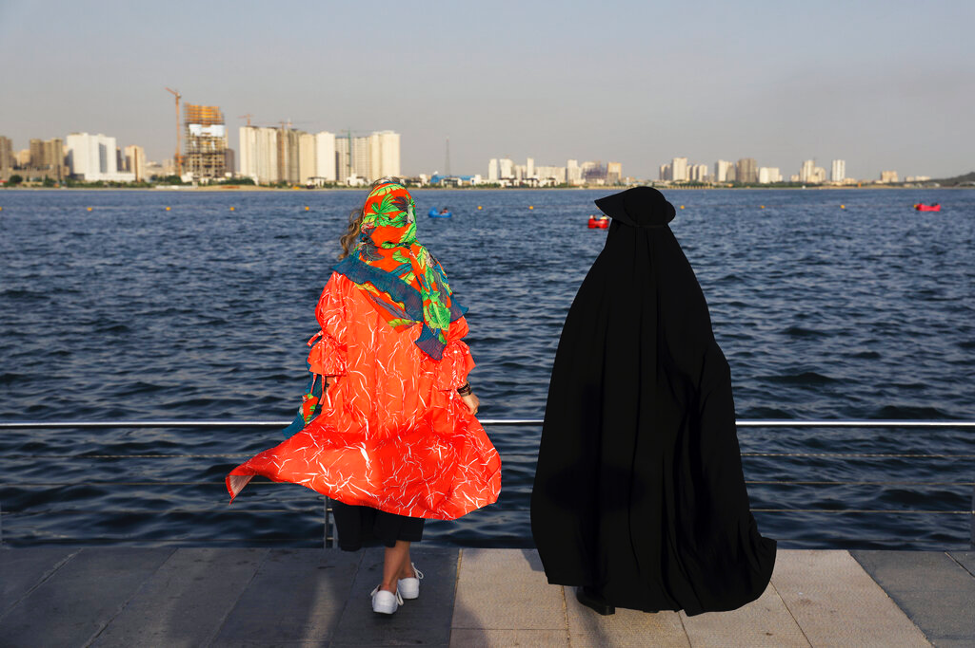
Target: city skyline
point(883, 85)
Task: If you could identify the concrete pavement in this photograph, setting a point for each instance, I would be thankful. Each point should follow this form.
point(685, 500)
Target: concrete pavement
point(232, 597)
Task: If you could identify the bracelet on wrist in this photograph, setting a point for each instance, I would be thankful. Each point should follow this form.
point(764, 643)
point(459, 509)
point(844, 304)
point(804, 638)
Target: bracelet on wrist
point(465, 390)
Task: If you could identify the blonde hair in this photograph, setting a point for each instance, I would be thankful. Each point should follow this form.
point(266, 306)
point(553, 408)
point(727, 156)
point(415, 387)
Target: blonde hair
point(352, 232)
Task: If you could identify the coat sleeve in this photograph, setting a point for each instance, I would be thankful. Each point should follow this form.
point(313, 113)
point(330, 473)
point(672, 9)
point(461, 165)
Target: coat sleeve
point(328, 354)
point(456, 360)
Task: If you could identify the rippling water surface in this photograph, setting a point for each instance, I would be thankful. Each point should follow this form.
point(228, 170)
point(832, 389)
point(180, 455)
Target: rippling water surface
point(129, 311)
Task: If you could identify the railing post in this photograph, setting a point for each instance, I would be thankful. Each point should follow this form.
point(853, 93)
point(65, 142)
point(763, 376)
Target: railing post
point(325, 523)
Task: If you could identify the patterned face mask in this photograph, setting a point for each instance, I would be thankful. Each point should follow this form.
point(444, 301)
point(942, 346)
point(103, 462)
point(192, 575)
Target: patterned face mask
point(402, 279)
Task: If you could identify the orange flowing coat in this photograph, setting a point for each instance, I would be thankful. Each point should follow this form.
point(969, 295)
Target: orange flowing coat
point(393, 434)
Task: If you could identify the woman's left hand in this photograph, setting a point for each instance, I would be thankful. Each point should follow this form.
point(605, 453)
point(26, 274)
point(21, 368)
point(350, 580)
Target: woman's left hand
point(471, 401)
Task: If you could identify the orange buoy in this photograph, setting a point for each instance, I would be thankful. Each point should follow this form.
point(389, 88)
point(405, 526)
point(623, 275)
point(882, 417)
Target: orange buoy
point(681, 207)
point(842, 206)
point(530, 207)
point(167, 208)
point(762, 207)
point(479, 207)
point(306, 208)
point(232, 208)
point(89, 209)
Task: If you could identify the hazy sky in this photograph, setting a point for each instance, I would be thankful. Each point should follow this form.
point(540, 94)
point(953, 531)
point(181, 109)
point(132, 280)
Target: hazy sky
point(882, 85)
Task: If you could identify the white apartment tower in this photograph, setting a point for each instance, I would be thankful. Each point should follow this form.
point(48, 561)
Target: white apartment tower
point(493, 172)
point(506, 168)
point(259, 153)
point(837, 171)
point(307, 158)
point(680, 169)
point(325, 153)
point(94, 158)
point(725, 171)
point(384, 155)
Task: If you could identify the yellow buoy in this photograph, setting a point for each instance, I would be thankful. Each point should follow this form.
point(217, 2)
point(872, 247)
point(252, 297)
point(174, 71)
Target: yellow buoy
point(306, 207)
point(530, 207)
point(479, 207)
point(1, 209)
point(842, 206)
point(232, 208)
point(681, 207)
point(89, 209)
point(762, 207)
point(167, 208)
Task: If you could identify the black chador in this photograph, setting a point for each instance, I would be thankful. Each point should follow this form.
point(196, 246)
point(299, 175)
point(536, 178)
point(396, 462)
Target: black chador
point(639, 497)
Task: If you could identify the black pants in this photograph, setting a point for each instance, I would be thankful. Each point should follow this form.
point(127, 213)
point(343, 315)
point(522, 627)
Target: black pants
point(359, 526)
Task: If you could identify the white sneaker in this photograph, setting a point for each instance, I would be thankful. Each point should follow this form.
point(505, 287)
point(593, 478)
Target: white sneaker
point(385, 602)
point(410, 588)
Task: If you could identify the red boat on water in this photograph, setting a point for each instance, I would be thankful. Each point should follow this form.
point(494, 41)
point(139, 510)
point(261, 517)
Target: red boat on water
point(922, 207)
point(598, 222)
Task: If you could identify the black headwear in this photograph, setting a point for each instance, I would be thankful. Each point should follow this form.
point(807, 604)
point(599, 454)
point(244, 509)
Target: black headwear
point(639, 489)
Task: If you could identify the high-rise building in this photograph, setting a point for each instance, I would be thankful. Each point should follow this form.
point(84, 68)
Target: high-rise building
point(746, 171)
point(665, 172)
point(699, 173)
point(837, 171)
point(383, 155)
point(680, 169)
point(6, 153)
point(229, 161)
point(288, 155)
point(574, 177)
point(93, 158)
point(343, 158)
point(769, 175)
point(136, 162)
point(325, 151)
point(307, 158)
point(614, 172)
point(23, 158)
point(530, 168)
point(206, 141)
point(807, 171)
point(725, 171)
point(493, 170)
point(890, 176)
point(506, 168)
point(259, 153)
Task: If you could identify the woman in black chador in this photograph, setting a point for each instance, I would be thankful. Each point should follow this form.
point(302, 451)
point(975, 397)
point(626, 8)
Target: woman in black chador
point(639, 498)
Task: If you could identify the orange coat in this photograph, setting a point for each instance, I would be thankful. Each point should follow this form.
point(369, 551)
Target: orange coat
point(393, 434)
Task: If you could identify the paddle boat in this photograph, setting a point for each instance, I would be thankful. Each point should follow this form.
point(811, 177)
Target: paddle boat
point(435, 214)
point(598, 222)
point(922, 207)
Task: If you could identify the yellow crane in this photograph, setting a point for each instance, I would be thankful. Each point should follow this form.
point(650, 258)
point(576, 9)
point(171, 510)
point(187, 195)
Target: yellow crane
point(177, 159)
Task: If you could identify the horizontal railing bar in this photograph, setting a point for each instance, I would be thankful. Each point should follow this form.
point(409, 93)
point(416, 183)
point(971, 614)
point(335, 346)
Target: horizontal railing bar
point(299, 511)
point(254, 482)
point(246, 455)
point(152, 424)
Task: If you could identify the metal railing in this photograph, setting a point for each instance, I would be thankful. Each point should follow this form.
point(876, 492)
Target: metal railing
point(328, 538)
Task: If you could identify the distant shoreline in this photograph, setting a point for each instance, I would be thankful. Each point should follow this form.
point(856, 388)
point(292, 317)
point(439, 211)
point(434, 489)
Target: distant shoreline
point(615, 188)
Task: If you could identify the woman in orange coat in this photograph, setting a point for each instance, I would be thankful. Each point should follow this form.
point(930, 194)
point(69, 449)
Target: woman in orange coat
point(394, 439)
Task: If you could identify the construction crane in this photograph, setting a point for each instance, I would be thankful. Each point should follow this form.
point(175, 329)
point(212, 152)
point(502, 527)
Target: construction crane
point(247, 117)
point(177, 159)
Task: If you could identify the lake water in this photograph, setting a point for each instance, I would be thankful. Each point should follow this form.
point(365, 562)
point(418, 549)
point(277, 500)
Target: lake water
point(130, 311)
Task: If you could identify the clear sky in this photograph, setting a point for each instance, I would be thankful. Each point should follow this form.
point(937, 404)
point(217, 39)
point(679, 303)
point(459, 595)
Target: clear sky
point(881, 84)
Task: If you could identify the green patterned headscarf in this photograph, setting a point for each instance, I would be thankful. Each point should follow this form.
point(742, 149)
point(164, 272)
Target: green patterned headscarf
point(402, 279)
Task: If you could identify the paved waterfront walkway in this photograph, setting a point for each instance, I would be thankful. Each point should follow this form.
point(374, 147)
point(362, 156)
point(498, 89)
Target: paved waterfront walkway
point(142, 597)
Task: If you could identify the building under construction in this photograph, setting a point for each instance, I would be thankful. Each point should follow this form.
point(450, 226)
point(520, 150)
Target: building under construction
point(206, 142)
